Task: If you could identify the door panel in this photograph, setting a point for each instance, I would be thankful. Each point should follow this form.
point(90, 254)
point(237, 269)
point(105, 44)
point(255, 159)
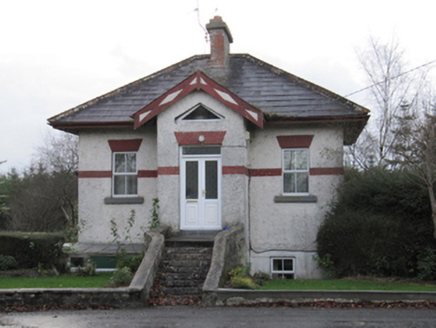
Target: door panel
point(201, 204)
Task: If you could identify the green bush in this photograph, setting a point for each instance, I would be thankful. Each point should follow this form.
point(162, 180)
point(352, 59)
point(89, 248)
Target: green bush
point(121, 277)
point(7, 262)
point(240, 278)
point(380, 226)
point(132, 262)
point(33, 249)
point(87, 270)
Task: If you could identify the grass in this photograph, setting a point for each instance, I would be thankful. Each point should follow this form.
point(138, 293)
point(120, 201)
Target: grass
point(346, 284)
point(62, 281)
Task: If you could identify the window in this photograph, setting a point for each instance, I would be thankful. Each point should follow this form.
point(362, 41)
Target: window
point(125, 174)
point(200, 113)
point(283, 268)
point(295, 171)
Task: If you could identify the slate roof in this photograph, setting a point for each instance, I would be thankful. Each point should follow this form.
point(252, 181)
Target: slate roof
point(281, 96)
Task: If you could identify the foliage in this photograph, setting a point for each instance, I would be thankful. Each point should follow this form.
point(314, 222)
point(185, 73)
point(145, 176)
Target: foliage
point(7, 262)
point(33, 249)
point(154, 222)
point(130, 222)
point(415, 146)
point(132, 262)
point(61, 281)
point(121, 277)
point(427, 264)
point(240, 278)
point(87, 270)
point(378, 226)
point(362, 283)
point(40, 200)
point(43, 197)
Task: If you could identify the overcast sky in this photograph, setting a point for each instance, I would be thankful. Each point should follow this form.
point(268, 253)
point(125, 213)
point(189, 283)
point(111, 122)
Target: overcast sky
point(57, 54)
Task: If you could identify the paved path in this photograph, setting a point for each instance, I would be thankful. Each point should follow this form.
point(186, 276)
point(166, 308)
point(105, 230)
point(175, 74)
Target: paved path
point(166, 317)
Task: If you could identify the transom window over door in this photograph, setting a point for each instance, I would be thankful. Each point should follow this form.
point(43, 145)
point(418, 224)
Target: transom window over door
point(295, 171)
point(125, 174)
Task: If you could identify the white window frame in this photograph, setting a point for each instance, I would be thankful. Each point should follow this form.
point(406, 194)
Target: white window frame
point(277, 273)
point(285, 171)
point(114, 174)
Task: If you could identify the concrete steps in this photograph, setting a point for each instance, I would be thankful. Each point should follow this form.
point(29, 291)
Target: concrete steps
point(182, 271)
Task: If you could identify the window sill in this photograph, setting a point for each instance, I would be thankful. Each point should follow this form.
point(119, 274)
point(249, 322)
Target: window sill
point(123, 200)
point(295, 199)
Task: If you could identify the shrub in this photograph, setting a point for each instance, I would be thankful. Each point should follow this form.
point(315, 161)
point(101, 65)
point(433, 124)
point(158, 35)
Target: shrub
point(33, 249)
point(132, 262)
point(7, 262)
point(379, 226)
point(88, 269)
point(121, 277)
point(240, 278)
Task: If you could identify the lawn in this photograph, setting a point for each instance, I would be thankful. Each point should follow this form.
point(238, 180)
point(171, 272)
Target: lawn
point(61, 281)
point(346, 284)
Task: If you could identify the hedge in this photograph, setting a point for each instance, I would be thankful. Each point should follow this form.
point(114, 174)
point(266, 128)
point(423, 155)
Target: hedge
point(380, 226)
point(32, 250)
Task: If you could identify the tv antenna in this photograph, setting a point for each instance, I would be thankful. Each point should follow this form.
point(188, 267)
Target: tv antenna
point(206, 35)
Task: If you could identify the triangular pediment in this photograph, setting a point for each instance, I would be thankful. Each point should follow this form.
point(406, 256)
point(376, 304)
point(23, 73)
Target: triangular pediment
point(200, 113)
point(198, 81)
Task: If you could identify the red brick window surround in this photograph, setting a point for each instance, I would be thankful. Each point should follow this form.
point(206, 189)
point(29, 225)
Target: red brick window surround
point(125, 144)
point(200, 138)
point(295, 141)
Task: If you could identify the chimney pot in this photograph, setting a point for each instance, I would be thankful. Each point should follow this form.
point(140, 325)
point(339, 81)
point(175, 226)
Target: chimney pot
point(220, 39)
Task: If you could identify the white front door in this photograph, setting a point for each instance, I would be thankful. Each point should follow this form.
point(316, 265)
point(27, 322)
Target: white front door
point(200, 188)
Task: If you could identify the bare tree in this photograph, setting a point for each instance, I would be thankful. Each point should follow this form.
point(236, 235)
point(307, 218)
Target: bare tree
point(59, 152)
point(415, 146)
point(44, 196)
point(391, 86)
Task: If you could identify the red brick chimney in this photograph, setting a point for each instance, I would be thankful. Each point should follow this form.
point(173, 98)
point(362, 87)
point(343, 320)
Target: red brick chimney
point(220, 39)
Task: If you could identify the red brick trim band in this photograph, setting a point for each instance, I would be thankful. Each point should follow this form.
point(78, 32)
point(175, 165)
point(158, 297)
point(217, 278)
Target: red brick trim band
point(168, 170)
point(235, 170)
point(108, 174)
point(95, 174)
point(147, 174)
point(299, 141)
point(326, 171)
point(191, 138)
point(125, 145)
point(265, 172)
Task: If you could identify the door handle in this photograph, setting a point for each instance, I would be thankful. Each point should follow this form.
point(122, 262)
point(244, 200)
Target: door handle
point(203, 192)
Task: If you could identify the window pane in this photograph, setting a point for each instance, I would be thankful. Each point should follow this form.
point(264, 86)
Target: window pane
point(302, 182)
point(288, 265)
point(301, 160)
point(119, 184)
point(191, 180)
point(289, 182)
point(288, 159)
point(209, 150)
point(211, 180)
point(277, 265)
point(131, 162)
point(120, 163)
point(132, 184)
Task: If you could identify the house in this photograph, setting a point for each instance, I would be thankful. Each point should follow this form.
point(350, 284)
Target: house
point(218, 139)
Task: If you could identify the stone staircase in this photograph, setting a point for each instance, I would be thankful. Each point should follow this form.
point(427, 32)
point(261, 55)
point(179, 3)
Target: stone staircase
point(182, 271)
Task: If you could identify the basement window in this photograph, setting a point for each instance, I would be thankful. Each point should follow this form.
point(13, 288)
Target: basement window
point(283, 268)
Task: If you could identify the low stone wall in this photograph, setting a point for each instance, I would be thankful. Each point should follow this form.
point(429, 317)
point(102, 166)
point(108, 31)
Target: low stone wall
point(228, 252)
point(233, 297)
point(134, 295)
